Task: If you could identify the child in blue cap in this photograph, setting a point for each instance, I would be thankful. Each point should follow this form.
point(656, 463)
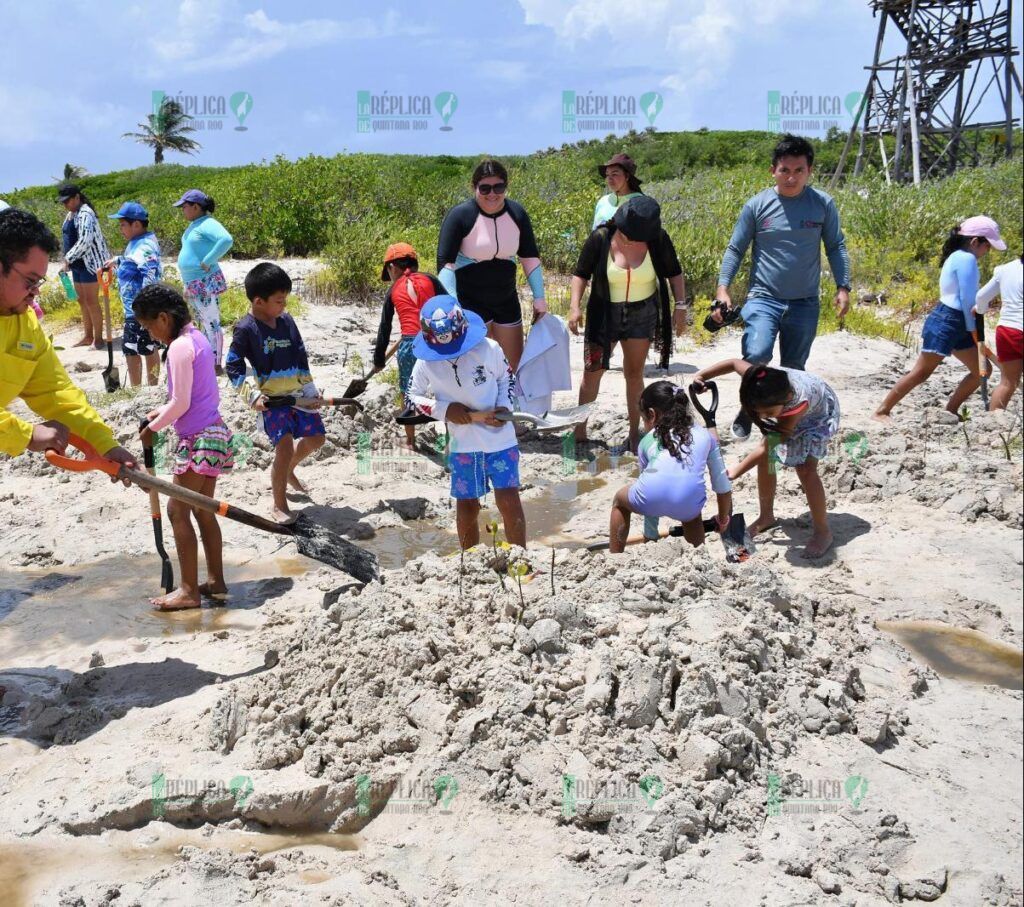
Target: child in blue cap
point(461, 377)
point(137, 268)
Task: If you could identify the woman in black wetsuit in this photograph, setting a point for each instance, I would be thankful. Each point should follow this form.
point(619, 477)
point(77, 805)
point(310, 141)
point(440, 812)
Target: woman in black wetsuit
point(480, 240)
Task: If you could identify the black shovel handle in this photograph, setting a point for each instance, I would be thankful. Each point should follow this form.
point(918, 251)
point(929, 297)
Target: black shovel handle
point(707, 413)
point(148, 459)
point(166, 568)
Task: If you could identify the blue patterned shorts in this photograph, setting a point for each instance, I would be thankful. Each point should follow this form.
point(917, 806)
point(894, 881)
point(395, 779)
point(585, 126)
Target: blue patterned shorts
point(473, 472)
point(291, 421)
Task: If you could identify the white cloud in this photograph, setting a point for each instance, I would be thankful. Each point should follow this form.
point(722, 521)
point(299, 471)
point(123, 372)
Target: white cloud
point(694, 40)
point(212, 35)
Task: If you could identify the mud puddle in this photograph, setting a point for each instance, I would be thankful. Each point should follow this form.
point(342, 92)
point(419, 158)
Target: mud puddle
point(42, 612)
point(33, 867)
point(547, 510)
point(960, 653)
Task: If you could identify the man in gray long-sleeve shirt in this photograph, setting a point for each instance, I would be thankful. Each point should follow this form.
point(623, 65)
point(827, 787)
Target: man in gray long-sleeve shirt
point(787, 224)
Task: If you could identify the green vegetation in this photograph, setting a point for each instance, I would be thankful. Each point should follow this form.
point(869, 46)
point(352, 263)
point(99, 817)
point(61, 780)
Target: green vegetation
point(61, 313)
point(348, 208)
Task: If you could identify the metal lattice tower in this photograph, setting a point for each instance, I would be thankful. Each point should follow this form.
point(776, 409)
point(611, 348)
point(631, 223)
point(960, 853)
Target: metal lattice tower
point(934, 64)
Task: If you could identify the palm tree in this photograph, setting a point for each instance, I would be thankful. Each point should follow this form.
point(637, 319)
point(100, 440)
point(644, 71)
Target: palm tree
point(72, 174)
point(167, 128)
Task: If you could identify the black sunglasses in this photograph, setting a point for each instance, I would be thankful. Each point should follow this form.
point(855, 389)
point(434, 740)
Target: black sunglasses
point(496, 188)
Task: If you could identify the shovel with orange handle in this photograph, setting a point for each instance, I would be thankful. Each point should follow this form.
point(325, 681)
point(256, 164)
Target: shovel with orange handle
point(111, 375)
point(312, 540)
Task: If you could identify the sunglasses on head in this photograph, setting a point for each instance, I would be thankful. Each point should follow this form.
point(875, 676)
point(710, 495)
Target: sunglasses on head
point(496, 188)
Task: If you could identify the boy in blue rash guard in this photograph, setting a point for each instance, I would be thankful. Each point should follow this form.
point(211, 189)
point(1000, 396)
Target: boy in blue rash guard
point(787, 225)
point(137, 268)
point(673, 456)
point(269, 340)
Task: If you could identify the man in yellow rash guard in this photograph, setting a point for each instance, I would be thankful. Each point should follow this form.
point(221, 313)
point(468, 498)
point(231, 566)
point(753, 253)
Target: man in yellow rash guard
point(29, 367)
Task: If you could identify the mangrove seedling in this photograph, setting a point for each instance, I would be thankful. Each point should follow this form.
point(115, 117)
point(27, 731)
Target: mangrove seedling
point(965, 417)
point(499, 562)
point(518, 569)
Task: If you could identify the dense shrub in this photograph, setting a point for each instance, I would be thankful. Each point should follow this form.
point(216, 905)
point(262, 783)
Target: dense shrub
point(348, 208)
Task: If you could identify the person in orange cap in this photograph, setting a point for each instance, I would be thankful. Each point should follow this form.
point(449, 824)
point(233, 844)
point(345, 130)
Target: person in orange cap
point(409, 289)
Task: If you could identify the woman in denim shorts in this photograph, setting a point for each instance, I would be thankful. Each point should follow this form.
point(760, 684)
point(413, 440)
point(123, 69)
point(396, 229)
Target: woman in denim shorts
point(948, 328)
point(85, 251)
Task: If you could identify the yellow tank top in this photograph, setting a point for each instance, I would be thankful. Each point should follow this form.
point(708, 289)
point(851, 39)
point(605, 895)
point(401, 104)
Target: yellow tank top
point(632, 284)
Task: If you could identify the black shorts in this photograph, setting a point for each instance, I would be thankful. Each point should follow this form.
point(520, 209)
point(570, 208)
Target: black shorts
point(135, 341)
point(489, 289)
point(623, 321)
point(502, 312)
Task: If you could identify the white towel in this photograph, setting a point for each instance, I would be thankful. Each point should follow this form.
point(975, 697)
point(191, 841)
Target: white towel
point(544, 367)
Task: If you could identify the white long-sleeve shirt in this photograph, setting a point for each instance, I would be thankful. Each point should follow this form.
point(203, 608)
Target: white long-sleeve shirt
point(480, 380)
point(1008, 283)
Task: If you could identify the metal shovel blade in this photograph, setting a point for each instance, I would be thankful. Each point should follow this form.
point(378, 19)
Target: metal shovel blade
point(111, 375)
point(356, 387)
point(320, 543)
point(553, 419)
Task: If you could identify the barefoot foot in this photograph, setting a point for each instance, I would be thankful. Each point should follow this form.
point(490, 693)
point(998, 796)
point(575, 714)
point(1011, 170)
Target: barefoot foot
point(818, 544)
point(85, 341)
point(296, 485)
point(884, 418)
point(284, 516)
point(178, 600)
point(762, 524)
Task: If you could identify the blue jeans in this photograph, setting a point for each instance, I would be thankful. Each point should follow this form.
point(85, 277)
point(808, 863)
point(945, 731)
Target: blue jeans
point(793, 321)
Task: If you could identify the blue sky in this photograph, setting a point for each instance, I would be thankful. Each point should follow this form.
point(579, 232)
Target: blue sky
point(75, 76)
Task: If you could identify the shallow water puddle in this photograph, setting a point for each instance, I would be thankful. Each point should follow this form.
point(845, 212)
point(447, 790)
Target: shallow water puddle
point(547, 512)
point(960, 653)
point(30, 866)
point(42, 612)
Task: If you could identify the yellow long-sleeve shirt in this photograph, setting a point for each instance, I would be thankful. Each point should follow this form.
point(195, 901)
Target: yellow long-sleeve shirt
point(30, 369)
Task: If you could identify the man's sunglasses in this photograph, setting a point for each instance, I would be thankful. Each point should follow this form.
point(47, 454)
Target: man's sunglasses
point(496, 188)
point(31, 283)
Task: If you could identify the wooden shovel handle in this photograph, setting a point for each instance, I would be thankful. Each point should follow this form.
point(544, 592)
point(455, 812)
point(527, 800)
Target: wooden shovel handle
point(390, 352)
point(93, 461)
